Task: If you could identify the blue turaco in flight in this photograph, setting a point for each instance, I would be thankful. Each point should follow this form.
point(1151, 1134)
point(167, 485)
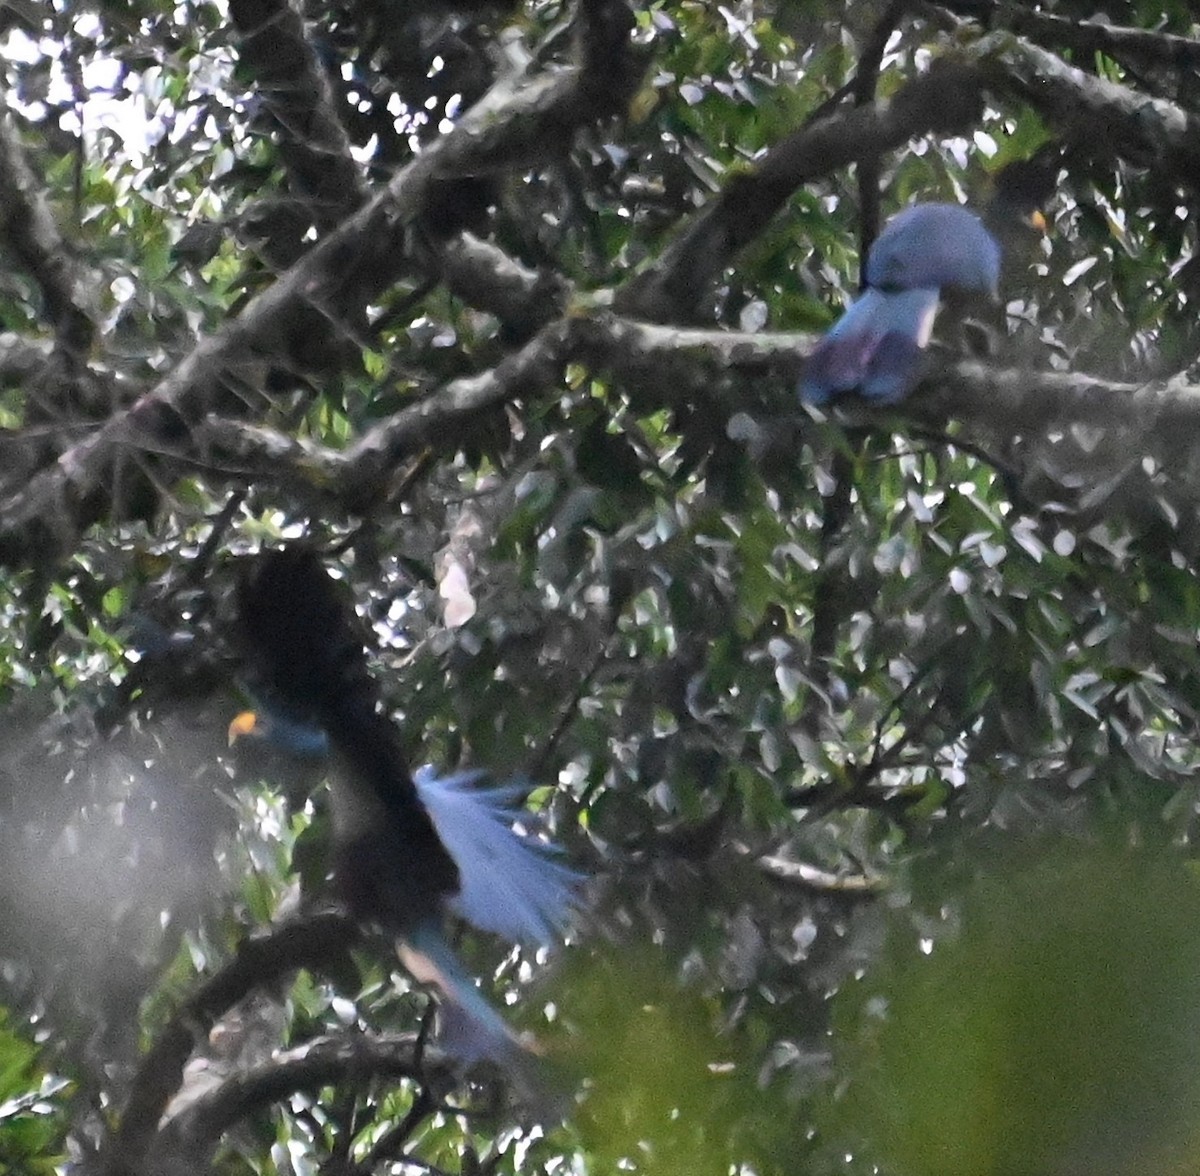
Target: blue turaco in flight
point(876, 347)
point(409, 849)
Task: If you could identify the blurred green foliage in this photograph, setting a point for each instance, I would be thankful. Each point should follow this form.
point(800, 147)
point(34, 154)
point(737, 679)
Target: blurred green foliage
point(1048, 1021)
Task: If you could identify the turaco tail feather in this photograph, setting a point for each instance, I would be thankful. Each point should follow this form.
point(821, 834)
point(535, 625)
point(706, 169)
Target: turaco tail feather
point(470, 1030)
point(876, 347)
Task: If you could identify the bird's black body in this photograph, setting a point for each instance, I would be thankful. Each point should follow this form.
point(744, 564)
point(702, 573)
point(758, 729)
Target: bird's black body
point(409, 849)
point(306, 656)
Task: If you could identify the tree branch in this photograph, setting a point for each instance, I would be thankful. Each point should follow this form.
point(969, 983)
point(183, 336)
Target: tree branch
point(313, 144)
point(677, 365)
point(1146, 130)
point(326, 1061)
point(485, 277)
point(305, 942)
point(520, 120)
point(1093, 35)
point(946, 99)
point(817, 880)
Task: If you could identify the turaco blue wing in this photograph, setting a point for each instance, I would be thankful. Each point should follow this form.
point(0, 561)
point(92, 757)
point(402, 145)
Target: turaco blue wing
point(510, 883)
point(876, 346)
point(408, 849)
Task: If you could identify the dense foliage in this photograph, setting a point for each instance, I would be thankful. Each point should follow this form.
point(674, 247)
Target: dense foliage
point(874, 732)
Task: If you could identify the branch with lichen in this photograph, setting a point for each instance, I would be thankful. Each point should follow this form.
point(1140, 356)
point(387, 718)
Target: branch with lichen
point(313, 144)
point(311, 942)
point(326, 1061)
point(675, 365)
point(1147, 131)
point(521, 120)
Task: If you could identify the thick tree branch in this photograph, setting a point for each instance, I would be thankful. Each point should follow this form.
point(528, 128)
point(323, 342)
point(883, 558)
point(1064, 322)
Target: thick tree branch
point(538, 365)
point(947, 99)
point(1105, 116)
point(329, 1061)
point(685, 366)
point(307, 942)
point(360, 474)
point(518, 121)
point(313, 144)
point(485, 277)
point(673, 364)
point(1034, 401)
point(1083, 36)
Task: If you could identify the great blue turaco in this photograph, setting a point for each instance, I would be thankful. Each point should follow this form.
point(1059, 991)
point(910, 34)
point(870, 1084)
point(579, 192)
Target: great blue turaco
point(409, 849)
point(925, 252)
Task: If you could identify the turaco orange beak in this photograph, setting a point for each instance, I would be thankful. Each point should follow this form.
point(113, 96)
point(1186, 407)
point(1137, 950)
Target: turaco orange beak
point(245, 723)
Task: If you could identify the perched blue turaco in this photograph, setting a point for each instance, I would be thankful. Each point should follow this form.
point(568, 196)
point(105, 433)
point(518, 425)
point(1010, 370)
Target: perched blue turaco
point(924, 252)
point(409, 849)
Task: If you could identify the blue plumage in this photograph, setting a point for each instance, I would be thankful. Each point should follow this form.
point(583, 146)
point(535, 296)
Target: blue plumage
point(875, 347)
point(471, 1030)
point(509, 883)
point(935, 245)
